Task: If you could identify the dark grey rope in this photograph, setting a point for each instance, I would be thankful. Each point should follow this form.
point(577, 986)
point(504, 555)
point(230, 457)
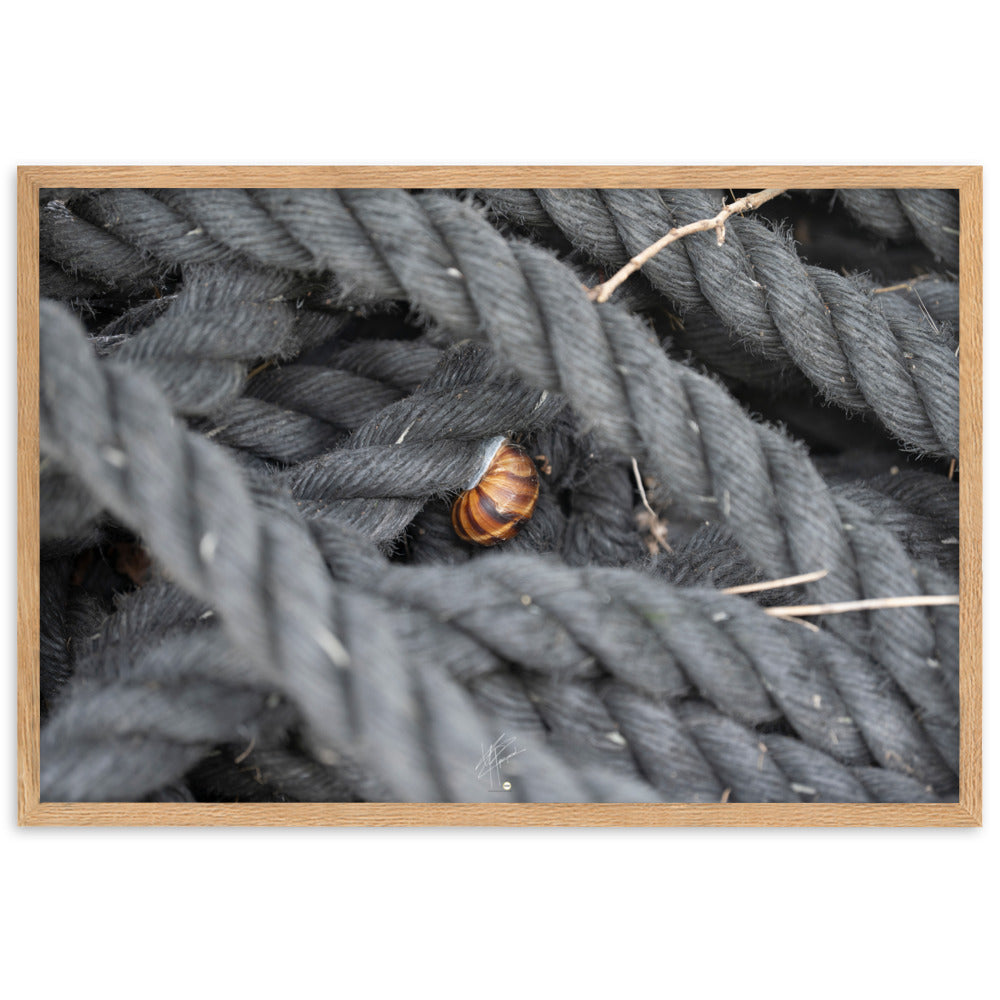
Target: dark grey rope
point(670, 642)
point(315, 687)
point(903, 213)
point(896, 365)
point(161, 705)
point(425, 445)
point(292, 413)
point(200, 349)
point(927, 537)
point(68, 618)
point(162, 717)
point(162, 694)
point(69, 514)
point(332, 652)
point(935, 295)
point(931, 739)
point(459, 272)
point(88, 252)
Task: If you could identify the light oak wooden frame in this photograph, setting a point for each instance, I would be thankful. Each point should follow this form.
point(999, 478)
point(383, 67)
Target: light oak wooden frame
point(966, 812)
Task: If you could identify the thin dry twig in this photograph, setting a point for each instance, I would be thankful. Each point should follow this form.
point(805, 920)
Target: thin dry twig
point(867, 604)
point(603, 292)
point(653, 523)
point(246, 753)
point(261, 367)
point(801, 621)
point(788, 581)
point(910, 285)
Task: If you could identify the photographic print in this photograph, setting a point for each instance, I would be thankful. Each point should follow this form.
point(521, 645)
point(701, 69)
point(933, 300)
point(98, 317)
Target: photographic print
point(579, 496)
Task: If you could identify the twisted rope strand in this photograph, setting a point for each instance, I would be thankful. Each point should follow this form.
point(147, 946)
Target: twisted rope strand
point(896, 366)
point(539, 365)
point(935, 295)
point(382, 722)
point(902, 213)
point(427, 444)
point(688, 432)
point(568, 624)
point(789, 770)
point(662, 641)
point(199, 349)
point(334, 653)
point(162, 719)
point(87, 251)
point(156, 694)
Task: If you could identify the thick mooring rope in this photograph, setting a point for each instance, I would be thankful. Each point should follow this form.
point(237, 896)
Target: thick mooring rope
point(255, 407)
point(895, 364)
point(931, 216)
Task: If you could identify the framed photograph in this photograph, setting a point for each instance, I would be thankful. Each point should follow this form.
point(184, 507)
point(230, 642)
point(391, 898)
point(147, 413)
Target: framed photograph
point(590, 496)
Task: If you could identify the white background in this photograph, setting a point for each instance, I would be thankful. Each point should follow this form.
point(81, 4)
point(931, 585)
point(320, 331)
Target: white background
point(481, 913)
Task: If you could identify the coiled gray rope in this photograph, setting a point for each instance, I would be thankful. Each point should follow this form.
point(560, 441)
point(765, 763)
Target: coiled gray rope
point(908, 375)
point(901, 213)
point(165, 715)
point(935, 295)
point(63, 241)
point(442, 256)
point(898, 365)
point(155, 690)
point(280, 608)
point(582, 692)
point(391, 469)
point(422, 446)
point(52, 340)
point(668, 642)
point(923, 514)
point(425, 409)
point(199, 348)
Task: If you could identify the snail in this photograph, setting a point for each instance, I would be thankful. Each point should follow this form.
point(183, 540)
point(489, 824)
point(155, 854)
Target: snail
point(500, 498)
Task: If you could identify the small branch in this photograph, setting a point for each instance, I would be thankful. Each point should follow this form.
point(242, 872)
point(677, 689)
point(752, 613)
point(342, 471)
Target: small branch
point(803, 623)
point(657, 529)
point(642, 489)
point(603, 292)
point(868, 604)
point(259, 369)
point(909, 286)
point(788, 581)
point(246, 753)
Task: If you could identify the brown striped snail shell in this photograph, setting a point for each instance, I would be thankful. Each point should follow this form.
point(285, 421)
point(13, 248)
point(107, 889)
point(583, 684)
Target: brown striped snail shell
point(500, 499)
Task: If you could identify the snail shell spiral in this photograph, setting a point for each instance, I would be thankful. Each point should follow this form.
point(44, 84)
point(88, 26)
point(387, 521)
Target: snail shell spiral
point(504, 497)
